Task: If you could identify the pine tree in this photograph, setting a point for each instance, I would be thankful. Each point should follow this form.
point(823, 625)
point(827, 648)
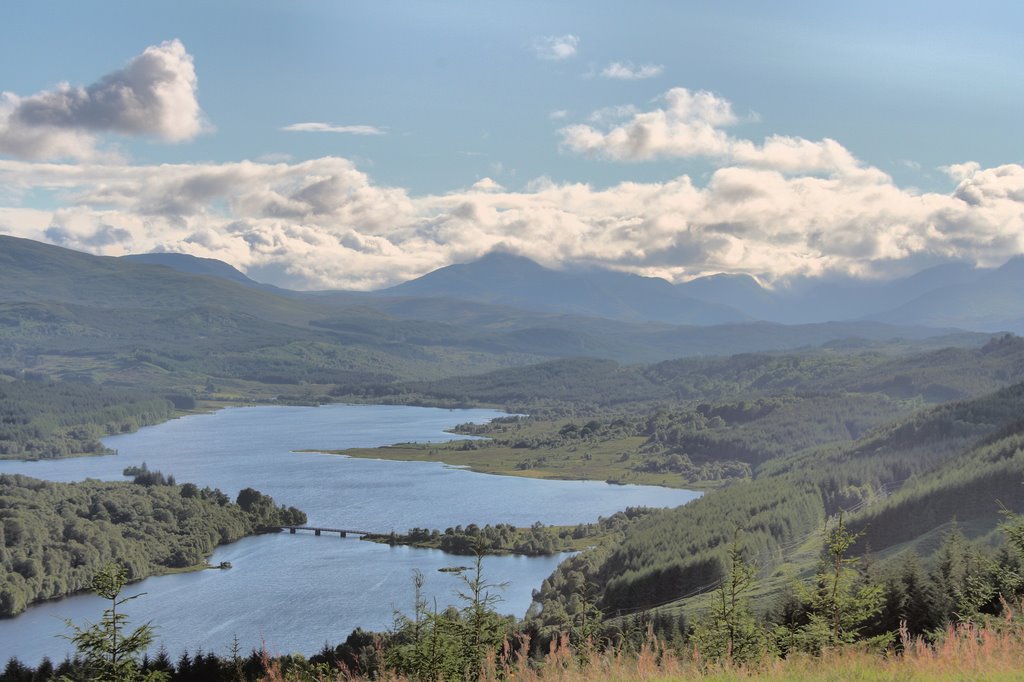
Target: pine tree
point(841, 603)
point(730, 632)
point(483, 627)
point(108, 653)
point(961, 576)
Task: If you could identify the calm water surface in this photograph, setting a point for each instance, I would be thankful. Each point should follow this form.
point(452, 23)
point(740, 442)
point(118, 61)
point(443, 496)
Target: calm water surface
point(295, 592)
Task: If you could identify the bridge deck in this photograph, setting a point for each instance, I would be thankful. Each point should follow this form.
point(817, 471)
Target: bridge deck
point(323, 529)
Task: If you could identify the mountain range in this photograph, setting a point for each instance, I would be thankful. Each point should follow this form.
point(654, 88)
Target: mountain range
point(181, 323)
point(501, 285)
point(510, 280)
point(947, 295)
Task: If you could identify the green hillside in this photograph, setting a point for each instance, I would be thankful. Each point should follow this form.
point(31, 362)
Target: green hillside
point(582, 386)
point(956, 461)
point(51, 419)
point(70, 316)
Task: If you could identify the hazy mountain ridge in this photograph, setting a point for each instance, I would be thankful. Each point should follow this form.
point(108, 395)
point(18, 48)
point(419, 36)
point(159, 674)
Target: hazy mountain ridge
point(807, 299)
point(502, 288)
point(194, 265)
point(520, 282)
point(75, 299)
point(991, 301)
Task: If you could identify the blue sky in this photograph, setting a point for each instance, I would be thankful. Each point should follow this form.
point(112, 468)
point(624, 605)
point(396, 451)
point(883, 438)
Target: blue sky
point(460, 92)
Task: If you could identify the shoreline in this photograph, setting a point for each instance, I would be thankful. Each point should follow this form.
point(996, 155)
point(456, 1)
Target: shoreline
point(208, 406)
point(411, 452)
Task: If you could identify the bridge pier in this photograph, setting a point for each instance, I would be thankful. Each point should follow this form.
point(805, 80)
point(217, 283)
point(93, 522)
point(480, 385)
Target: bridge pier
point(317, 531)
point(292, 531)
point(344, 534)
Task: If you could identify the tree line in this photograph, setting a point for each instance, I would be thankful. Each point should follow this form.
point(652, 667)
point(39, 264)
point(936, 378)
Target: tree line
point(44, 419)
point(55, 536)
point(504, 538)
point(848, 600)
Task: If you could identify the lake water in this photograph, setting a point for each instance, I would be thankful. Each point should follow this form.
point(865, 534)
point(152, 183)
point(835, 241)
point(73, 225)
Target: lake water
point(296, 592)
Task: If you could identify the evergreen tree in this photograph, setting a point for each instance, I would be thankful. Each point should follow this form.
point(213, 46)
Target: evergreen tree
point(1010, 573)
point(840, 604)
point(909, 599)
point(730, 632)
point(484, 628)
point(962, 579)
point(109, 654)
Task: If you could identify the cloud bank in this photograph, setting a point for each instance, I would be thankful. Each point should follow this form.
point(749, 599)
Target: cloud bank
point(693, 124)
point(325, 224)
point(782, 207)
point(153, 95)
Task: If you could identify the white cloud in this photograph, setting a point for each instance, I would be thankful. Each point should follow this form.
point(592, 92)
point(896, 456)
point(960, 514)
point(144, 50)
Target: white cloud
point(153, 95)
point(314, 127)
point(486, 185)
point(324, 224)
point(961, 171)
point(692, 124)
point(558, 114)
point(688, 125)
point(626, 71)
point(786, 206)
point(556, 48)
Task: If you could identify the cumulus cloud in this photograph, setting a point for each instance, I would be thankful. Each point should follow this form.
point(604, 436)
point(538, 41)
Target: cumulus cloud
point(627, 72)
point(314, 127)
point(782, 207)
point(486, 185)
point(691, 124)
point(153, 95)
point(324, 223)
point(961, 171)
point(556, 48)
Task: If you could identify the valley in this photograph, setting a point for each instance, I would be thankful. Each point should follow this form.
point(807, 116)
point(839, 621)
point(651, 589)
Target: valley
point(781, 427)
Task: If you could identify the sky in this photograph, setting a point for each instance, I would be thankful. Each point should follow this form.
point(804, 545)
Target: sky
point(356, 145)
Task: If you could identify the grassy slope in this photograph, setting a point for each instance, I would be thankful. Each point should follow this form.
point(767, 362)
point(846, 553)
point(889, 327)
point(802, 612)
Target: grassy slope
point(808, 415)
point(908, 480)
point(568, 462)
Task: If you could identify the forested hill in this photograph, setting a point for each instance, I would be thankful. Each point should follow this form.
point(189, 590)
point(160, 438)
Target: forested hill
point(66, 315)
point(33, 271)
point(959, 461)
point(42, 419)
point(582, 385)
point(55, 536)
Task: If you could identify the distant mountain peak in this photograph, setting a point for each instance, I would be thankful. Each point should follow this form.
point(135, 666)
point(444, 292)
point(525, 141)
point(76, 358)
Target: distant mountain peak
point(501, 256)
point(194, 265)
point(500, 277)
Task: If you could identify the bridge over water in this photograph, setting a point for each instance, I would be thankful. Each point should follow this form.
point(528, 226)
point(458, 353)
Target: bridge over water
point(342, 532)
